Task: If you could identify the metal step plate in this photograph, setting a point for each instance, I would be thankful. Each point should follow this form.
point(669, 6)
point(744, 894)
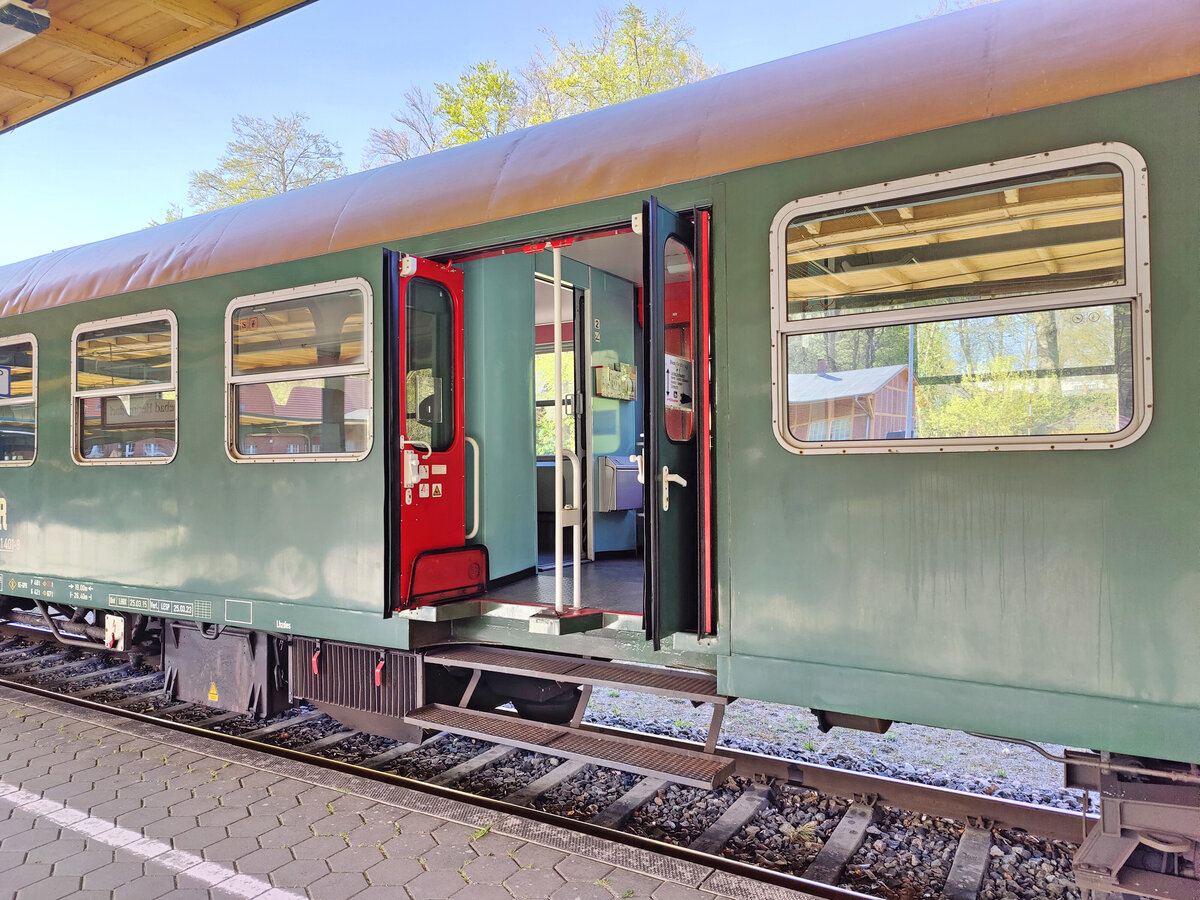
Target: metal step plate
point(687, 767)
point(698, 686)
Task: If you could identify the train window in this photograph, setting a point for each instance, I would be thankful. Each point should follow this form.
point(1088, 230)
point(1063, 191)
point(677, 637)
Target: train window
point(18, 400)
point(298, 374)
point(124, 390)
point(543, 399)
point(999, 307)
point(429, 364)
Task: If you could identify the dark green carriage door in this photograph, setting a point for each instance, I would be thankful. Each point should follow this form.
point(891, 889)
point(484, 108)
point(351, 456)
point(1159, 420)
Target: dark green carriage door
point(675, 423)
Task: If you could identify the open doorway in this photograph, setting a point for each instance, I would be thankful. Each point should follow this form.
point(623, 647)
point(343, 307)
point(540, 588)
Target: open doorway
point(634, 377)
point(545, 400)
point(601, 338)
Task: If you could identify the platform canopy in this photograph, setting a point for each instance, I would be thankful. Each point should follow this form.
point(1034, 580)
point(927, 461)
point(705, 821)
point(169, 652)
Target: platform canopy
point(55, 51)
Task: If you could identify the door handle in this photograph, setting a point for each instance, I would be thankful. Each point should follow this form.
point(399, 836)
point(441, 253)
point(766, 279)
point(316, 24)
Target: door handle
point(641, 476)
point(420, 445)
point(667, 478)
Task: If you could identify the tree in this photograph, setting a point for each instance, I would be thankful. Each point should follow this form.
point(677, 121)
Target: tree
point(173, 214)
point(483, 103)
point(630, 55)
point(266, 157)
point(420, 131)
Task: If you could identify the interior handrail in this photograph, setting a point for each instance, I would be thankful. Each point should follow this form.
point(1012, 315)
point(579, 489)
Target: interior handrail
point(475, 484)
point(576, 526)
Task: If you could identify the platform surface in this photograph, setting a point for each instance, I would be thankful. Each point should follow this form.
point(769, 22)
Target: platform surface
point(96, 806)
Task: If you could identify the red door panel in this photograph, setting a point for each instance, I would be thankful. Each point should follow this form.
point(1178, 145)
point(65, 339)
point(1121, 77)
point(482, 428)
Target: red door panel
point(431, 428)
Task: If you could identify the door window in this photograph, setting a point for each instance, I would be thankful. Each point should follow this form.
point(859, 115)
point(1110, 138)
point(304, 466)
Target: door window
point(429, 364)
point(679, 379)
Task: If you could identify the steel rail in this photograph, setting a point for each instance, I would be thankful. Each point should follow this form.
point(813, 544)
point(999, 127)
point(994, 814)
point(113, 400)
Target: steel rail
point(1041, 821)
point(1044, 821)
point(720, 863)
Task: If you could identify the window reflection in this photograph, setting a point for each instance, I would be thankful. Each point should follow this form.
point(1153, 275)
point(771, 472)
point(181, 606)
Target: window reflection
point(1067, 371)
point(300, 384)
point(127, 371)
point(18, 411)
point(1053, 231)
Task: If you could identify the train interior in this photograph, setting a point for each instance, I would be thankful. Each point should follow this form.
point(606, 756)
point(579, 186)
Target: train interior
point(510, 354)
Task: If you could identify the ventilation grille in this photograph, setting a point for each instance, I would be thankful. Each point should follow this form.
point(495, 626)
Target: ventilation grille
point(346, 676)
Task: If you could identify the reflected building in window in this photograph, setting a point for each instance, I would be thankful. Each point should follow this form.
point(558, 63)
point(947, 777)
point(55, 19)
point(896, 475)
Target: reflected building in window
point(855, 405)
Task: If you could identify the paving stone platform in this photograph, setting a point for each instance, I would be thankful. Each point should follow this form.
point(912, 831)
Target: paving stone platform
point(96, 806)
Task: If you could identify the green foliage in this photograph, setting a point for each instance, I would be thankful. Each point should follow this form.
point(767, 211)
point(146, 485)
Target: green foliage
point(482, 104)
point(173, 214)
point(993, 375)
point(631, 54)
point(543, 378)
point(266, 157)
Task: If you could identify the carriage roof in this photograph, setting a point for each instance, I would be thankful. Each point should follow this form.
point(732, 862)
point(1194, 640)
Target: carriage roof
point(990, 61)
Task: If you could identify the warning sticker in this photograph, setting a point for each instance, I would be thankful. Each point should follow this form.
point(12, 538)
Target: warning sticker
point(437, 490)
point(423, 490)
point(213, 697)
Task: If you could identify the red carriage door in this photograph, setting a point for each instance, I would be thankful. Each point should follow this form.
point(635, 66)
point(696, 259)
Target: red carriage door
point(426, 473)
point(676, 455)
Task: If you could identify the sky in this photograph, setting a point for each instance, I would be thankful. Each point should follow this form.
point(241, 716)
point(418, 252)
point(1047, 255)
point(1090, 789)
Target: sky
point(112, 162)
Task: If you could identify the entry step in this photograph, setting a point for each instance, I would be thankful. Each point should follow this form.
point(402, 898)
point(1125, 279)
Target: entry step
point(700, 687)
point(688, 767)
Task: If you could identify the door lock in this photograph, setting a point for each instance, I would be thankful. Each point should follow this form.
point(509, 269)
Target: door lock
point(412, 470)
point(667, 478)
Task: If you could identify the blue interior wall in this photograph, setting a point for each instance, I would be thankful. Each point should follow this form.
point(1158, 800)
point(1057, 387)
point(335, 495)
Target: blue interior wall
point(616, 424)
point(499, 375)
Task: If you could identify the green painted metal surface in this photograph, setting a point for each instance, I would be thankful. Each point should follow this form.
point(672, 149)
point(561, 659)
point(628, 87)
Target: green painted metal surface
point(1074, 573)
point(1050, 594)
point(499, 351)
point(1059, 717)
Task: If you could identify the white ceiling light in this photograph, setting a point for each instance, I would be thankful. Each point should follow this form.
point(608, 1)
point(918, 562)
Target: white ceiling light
point(19, 22)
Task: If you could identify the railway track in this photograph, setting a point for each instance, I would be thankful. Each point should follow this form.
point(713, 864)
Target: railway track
point(825, 831)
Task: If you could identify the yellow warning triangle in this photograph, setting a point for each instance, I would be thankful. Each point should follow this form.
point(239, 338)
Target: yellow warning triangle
point(212, 693)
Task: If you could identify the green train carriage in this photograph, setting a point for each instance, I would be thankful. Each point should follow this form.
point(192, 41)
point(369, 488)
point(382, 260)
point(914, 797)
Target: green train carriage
point(925, 457)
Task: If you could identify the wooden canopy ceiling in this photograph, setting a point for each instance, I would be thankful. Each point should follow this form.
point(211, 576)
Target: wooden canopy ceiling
point(91, 44)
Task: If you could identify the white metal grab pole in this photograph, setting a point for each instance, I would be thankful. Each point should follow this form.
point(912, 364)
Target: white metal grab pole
point(558, 433)
point(576, 534)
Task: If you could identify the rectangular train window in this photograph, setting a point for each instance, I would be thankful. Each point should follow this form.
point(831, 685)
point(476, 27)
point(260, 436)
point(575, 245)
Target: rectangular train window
point(123, 387)
point(298, 374)
point(999, 307)
point(18, 400)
